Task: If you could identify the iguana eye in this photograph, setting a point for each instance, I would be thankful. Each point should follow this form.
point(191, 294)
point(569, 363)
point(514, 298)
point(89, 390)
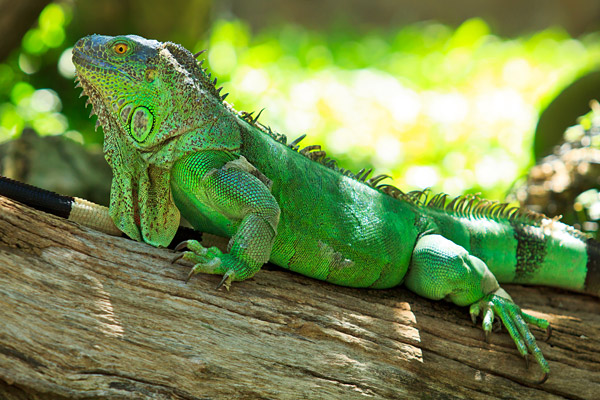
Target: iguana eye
point(121, 48)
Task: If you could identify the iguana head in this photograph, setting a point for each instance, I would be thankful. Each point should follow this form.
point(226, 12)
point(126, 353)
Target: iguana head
point(143, 90)
point(118, 74)
point(156, 105)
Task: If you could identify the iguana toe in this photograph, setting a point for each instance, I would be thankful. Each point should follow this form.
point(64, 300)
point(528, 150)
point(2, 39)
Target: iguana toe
point(227, 279)
point(515, 321)
point(181, 246)
point(212, 266)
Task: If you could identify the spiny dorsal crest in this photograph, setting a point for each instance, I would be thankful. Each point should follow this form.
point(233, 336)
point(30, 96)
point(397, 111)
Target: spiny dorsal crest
point(470, 206)
point(188, 61)
point(467, 206)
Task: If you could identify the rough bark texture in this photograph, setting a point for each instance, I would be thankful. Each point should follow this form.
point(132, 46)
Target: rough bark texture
point(85, 315)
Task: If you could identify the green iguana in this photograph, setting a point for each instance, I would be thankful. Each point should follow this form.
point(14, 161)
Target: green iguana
point(177, 148)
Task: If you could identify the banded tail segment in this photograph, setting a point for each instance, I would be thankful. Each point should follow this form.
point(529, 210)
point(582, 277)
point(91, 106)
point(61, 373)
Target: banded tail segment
point(555, 254)
point(549, 254)
point(518, 245)
point(74, 209)
point(592, 278)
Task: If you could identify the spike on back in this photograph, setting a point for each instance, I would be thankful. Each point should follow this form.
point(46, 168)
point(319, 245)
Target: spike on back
point(468, 206)
point(188, 61)
point(472, 206)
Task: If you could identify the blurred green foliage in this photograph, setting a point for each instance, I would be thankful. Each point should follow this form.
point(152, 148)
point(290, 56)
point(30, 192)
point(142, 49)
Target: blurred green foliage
point(432, 106)
point(50, 32)
point(23, 102)
point(454, 109)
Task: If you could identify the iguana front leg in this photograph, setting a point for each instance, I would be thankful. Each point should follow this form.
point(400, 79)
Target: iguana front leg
point(216, 193)
point(441, 269)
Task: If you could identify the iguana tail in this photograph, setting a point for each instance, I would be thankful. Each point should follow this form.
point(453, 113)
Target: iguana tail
point(550, 254)
point(553, 255)
point(536, 251)
point(592, 279)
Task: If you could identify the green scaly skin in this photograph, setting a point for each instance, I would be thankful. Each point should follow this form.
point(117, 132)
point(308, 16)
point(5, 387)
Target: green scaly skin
point(176, 147)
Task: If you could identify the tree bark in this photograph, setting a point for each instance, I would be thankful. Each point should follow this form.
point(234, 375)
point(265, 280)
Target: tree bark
point(86, 315)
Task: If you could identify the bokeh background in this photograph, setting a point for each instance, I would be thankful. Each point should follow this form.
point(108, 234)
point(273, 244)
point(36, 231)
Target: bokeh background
point(436, 94)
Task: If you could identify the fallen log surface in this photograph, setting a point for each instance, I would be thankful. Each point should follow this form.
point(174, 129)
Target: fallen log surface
point(86, 315)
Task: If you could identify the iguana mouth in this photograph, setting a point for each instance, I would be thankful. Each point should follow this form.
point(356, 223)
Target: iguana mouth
point(85, 61)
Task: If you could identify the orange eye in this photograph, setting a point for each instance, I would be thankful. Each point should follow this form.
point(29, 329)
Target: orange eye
point(121, 48)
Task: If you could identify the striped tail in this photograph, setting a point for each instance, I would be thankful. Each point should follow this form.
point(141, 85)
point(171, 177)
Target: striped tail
point(549, 254)
point(532, 252)
point(518, 245)
point(555, 254)
point(592, 278)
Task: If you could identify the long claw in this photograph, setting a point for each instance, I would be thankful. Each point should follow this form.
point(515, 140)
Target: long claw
point(548, 335)
point(223, 282)
point(516, 323)
point(181, 246)
point(192, 273)
point(226, 281)
point(177, 258)
point(544, 378)
point(474, 311)
point(209, 260)
point(474, 318)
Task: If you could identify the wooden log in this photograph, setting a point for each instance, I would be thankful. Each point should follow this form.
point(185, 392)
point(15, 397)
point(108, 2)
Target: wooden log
point(86, 315)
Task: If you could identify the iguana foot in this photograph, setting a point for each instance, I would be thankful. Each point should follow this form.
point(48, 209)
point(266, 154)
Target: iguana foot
point(206, 260)
point(210, 260)
point(515, 320)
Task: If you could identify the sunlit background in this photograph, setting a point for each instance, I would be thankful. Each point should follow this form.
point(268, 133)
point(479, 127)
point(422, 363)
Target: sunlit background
point(448, 107)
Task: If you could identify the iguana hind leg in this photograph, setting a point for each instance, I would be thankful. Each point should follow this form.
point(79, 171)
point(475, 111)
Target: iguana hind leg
point(441, 269)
